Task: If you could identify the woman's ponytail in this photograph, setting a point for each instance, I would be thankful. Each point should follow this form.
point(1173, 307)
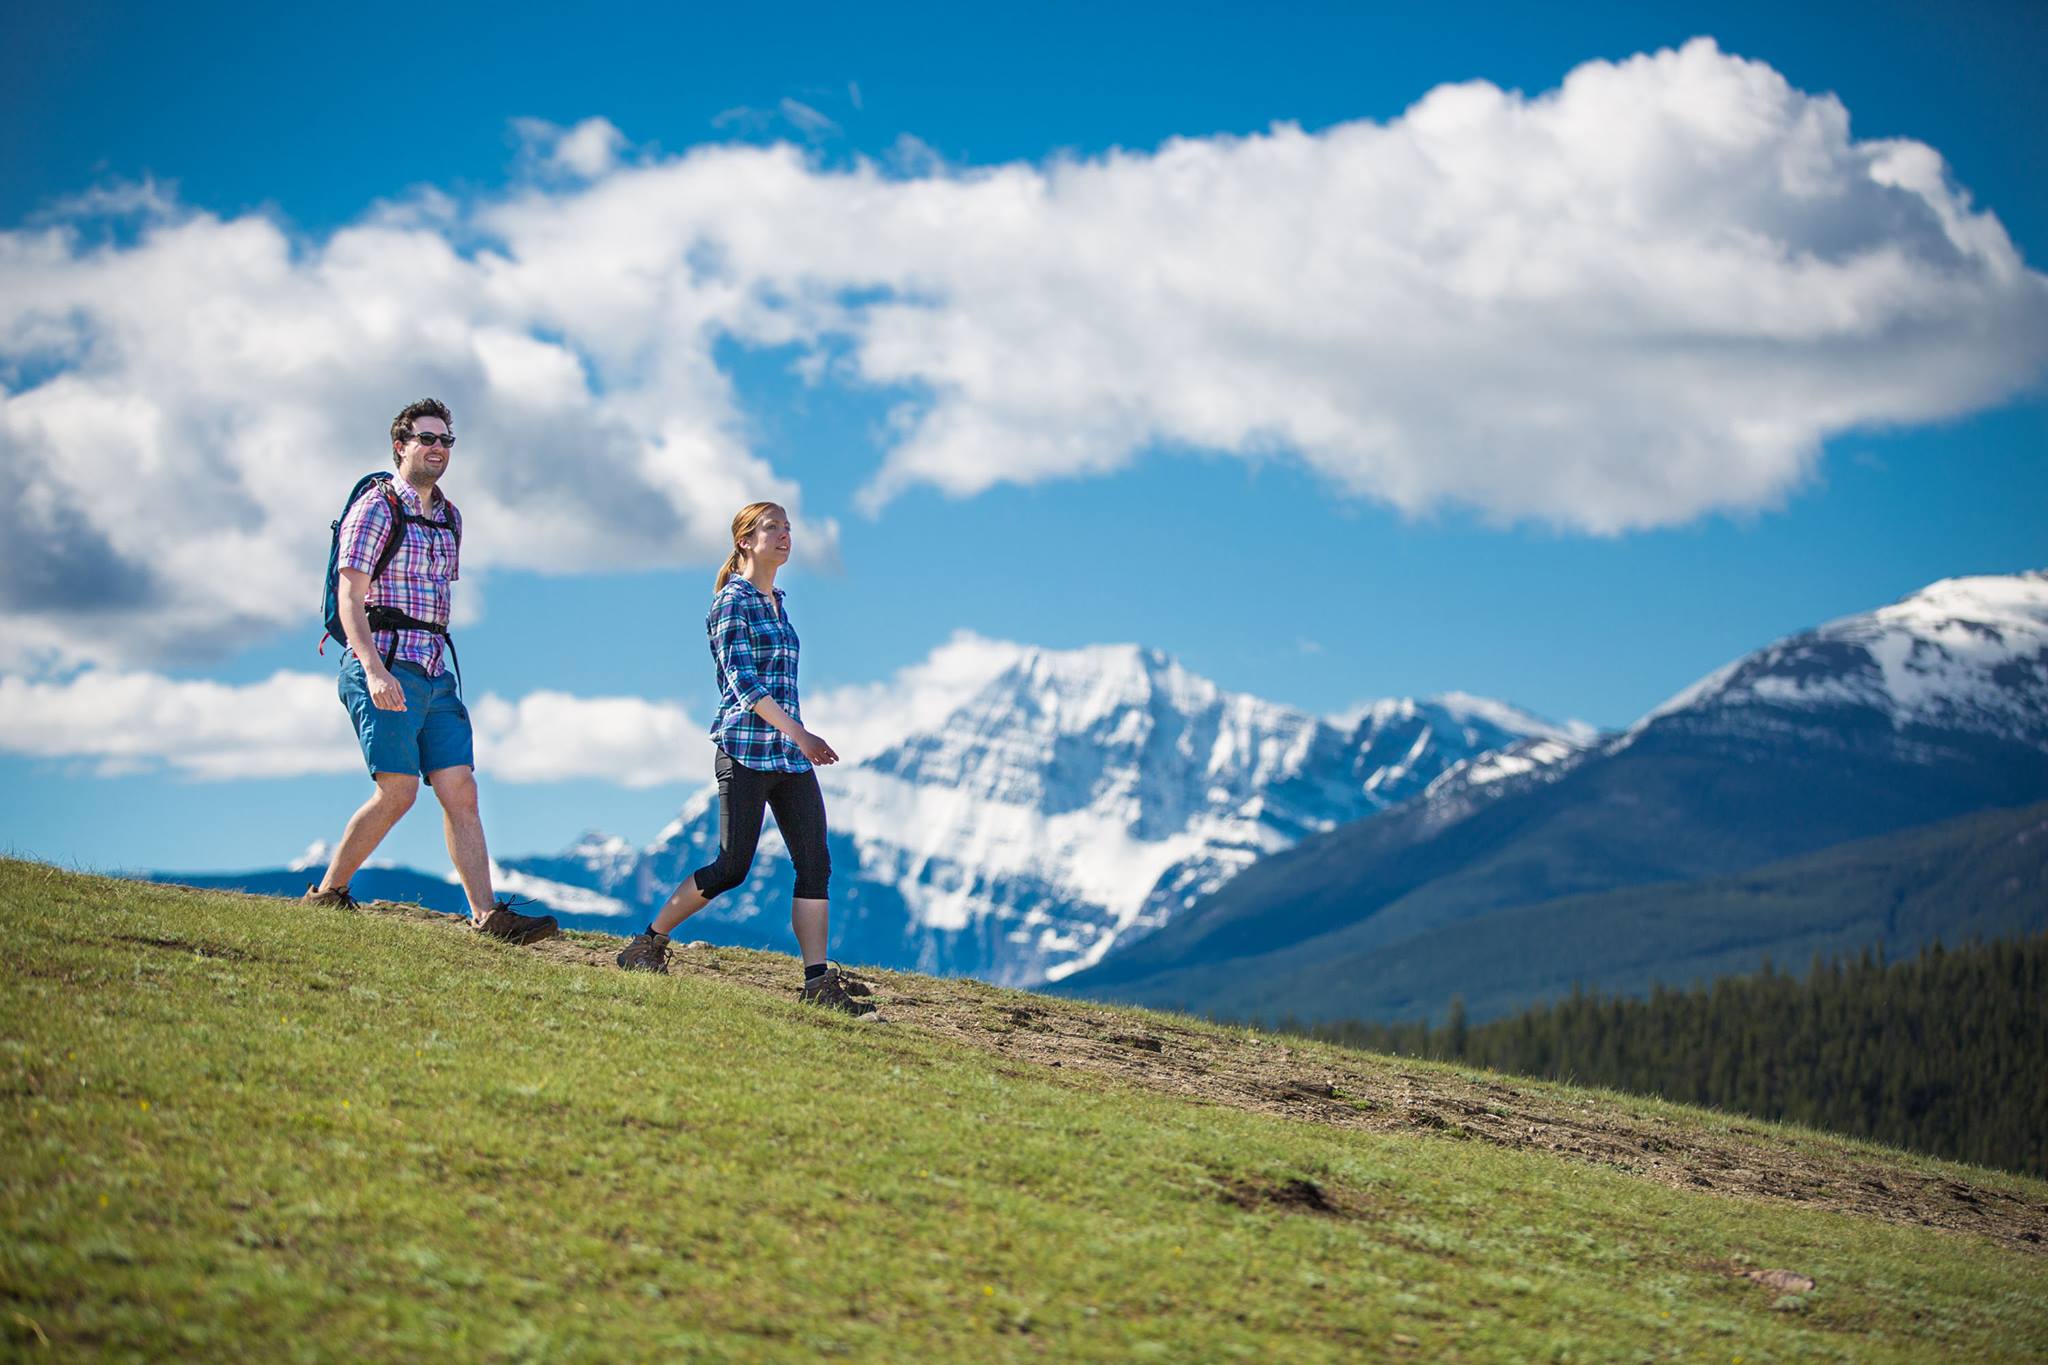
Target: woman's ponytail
point(732, 566)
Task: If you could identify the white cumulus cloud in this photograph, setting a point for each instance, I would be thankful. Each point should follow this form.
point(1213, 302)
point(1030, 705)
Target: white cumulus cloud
point(292, 725)
point(1647, 295)
point(587, 150)
point(549, 736)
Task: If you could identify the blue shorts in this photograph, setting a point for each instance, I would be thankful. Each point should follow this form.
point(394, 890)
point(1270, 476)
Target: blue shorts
point(430, 734)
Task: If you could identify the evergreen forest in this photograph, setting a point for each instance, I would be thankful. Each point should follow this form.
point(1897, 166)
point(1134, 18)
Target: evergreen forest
point(1944, 1053)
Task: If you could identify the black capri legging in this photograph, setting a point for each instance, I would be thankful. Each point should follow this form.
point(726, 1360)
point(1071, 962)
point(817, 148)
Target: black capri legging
point(799, 813)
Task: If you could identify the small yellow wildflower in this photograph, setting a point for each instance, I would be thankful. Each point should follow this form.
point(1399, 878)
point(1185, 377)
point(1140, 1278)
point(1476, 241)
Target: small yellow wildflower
point(988, 1291)
point(103, 1201)
point(145, 1106)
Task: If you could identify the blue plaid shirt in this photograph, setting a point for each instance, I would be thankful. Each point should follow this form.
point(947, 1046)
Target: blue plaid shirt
point(755, 648)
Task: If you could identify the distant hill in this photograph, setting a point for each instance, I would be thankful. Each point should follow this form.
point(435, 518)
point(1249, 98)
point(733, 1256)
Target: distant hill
point(1925, 711)
point(1978, 876)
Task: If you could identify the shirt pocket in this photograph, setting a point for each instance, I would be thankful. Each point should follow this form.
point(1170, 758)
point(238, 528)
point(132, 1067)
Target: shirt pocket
point(442, 551)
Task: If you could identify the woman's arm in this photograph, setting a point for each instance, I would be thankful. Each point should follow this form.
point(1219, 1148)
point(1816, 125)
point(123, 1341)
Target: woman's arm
point(732, 641)
point(813, 748)
point(732, 644)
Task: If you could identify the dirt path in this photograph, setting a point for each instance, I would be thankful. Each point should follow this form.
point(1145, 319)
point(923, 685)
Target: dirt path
point(1320, 1083)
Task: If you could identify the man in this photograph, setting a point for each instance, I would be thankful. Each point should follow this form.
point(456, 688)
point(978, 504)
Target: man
point(395, 680)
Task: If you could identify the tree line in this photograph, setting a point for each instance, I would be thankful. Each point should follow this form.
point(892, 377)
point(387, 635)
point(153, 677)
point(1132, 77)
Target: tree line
point(1944, 1053)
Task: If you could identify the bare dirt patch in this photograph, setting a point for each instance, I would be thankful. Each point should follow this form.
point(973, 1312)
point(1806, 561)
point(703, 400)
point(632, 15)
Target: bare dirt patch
point(1319, 1083)
point(1295, 1195)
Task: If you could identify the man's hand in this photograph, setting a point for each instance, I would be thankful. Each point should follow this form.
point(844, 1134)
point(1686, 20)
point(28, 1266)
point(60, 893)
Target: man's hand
point(815, 749)
point(385, 692)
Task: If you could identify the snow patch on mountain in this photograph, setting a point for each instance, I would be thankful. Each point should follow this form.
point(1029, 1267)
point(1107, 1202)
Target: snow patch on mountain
point(1033, 808)
point(320, 853)
point(1967, 654)
point(1497, 765)
point(572, 900)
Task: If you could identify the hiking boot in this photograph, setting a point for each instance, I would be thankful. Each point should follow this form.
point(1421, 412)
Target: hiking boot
point(509, 925)
point(647, 952)
point(829, 991)
point(337, 899)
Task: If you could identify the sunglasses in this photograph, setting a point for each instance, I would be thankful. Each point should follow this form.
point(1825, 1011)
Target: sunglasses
point(432, 438)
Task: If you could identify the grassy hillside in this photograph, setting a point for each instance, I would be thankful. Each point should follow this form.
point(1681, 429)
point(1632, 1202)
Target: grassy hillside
point(1984, 874)
point(236, 1128)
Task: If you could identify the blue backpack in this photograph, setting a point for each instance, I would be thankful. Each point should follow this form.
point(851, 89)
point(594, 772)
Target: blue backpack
point(382, 618)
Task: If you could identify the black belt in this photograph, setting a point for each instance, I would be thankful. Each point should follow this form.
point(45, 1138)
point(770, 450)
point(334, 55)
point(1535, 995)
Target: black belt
point(383, 618)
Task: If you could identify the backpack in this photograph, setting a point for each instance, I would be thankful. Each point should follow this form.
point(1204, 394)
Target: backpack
point(381, 617)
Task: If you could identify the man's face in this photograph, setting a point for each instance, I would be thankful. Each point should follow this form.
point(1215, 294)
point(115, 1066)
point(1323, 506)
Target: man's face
point(421, 463)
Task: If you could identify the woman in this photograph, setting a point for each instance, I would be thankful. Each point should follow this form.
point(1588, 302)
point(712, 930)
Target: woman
point(765, 757)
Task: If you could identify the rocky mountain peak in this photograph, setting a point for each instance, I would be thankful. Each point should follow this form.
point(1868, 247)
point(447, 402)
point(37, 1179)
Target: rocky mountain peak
point(1965, 655)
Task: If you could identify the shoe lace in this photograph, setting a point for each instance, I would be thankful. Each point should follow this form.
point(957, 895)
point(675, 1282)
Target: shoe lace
point(510, 905)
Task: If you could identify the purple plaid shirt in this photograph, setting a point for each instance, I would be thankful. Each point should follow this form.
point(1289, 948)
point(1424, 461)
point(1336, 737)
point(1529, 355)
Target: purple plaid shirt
point(417, 580)
point(754, 648)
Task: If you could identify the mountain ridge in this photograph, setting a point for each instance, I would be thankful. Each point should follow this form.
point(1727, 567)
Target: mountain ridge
point(1903, 716)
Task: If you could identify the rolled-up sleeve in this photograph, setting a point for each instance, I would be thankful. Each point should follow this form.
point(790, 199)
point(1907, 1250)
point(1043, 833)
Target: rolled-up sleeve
point(364, 531)
point(732, 641)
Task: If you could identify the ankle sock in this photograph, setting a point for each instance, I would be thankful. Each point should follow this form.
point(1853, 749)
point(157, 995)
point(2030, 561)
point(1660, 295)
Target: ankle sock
point(813, 971)
point(657, 933)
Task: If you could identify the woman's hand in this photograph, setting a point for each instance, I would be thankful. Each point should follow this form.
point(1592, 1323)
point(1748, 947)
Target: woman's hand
point(815, 749)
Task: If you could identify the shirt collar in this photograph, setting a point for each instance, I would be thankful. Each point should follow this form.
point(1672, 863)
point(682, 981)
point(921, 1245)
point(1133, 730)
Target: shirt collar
point(748, 584)
point(410, 496)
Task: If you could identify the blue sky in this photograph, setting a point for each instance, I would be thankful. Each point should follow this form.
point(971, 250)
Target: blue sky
point(1255, 564)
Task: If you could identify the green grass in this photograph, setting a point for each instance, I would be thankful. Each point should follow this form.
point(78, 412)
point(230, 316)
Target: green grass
point(237, 1129)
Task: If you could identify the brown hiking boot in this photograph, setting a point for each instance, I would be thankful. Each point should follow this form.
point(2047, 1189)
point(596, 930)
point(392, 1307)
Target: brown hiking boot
point(337, 899)
point(512, 927)
point(648, 952)
point(829, 990)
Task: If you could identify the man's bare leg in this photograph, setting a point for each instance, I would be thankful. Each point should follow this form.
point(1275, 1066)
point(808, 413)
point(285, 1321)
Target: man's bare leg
point(455, 789)
point(367, 827)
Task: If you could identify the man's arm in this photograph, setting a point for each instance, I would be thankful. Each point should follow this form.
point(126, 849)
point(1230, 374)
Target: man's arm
point(351, 592)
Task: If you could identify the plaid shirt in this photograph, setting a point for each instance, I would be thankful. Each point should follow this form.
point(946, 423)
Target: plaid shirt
point(417, 580)
point(755, 648)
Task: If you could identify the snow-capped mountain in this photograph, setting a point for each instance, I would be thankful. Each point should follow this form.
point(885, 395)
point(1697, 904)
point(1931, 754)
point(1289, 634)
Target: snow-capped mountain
point(1964, 655)
point(1963, 661)
point(1930, 709)
point(1060, 804)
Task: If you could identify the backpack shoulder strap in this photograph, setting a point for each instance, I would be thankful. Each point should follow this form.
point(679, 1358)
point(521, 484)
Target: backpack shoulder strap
point(398, 521)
